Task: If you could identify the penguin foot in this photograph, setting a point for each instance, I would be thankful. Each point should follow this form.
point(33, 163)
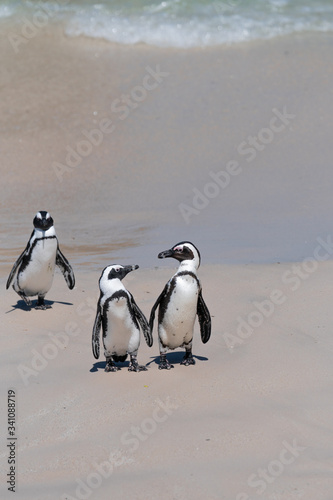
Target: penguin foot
point(135, 367)
point(188, 359)
point(41, 304)
point(187, 362)
point(110, 366)
point(164, 363)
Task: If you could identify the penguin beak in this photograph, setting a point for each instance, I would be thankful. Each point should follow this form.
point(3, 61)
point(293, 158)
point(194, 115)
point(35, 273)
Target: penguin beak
point(166, 253)
point(46, 223)
point(128, 269)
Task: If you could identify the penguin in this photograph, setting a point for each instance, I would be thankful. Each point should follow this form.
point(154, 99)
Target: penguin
point(35, 266)
point(121, 319)
point(179, 303)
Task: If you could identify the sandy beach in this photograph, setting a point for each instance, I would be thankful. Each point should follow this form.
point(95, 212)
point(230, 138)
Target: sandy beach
point(132, 149)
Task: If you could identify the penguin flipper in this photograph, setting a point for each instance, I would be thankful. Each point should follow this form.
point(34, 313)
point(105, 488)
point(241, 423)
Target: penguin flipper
point(14, 268)
point(141, 318)
point(155, 306)
point(204, 319)
point(65, 268)
point(95, 333)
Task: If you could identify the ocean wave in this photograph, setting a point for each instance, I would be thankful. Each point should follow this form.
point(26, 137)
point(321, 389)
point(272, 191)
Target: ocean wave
point(7, 11)
point(195, 31)
point(182, 23)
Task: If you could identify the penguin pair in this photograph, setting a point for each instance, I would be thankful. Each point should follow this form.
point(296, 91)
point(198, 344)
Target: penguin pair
point(34, 269)
point(178, 304)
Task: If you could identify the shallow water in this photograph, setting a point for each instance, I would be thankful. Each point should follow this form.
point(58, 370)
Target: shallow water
point(181, 23)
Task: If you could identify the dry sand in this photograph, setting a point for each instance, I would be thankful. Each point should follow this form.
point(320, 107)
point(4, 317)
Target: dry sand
point(253, 418)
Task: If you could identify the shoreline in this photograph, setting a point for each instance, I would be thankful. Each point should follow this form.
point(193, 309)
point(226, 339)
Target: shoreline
point(55, 30)
point(44, 18)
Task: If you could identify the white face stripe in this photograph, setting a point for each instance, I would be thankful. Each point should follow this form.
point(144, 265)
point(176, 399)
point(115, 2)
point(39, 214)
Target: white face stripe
point(191, 247)
point(108, 269)
point(39, 216)
point(195, 261)
point(187, 245)
point(116, 267)
point(109, 286)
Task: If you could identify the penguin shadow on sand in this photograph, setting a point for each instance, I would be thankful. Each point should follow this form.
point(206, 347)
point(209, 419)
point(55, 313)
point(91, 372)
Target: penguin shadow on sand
point(23, 306)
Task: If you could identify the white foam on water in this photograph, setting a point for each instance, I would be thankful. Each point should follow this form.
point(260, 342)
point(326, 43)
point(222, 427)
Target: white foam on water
point(181, 23)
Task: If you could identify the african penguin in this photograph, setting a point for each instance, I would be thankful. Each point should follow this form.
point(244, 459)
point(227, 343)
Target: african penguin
point(121, 319)
point(35, 266)
point(179, 303)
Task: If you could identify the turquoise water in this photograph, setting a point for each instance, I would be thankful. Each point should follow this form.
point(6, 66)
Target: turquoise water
point(176, 23)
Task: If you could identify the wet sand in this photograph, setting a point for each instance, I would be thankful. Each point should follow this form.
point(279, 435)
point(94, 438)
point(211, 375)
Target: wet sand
point(150, 180)
point(231, 149)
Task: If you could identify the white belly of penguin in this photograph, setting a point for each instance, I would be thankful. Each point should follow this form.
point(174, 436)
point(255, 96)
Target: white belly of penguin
point(122, 335)
point(177, 326)
point(37, 277)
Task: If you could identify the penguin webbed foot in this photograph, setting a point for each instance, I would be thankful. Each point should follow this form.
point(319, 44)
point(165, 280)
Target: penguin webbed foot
point(188, 359)
point(135, 367)
point(110, 366)
point(164, 363)
point(41, 304)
